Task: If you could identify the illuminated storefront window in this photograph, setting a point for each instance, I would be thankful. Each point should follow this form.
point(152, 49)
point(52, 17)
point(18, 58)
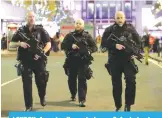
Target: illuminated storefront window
point(112, 7)
point(118, 6)
point(90, 11)
point(128, 10)
point(105, 10)
point(98, 10)
point(84, 5)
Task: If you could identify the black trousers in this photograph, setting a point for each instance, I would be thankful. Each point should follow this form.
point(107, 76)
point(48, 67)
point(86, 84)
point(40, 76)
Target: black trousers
point(38, 68)
point(74, 73)
point(117, 68)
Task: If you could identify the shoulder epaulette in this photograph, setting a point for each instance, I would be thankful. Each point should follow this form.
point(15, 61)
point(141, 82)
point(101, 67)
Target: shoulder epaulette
point(73, 32)
point(86, 32)
point(38, 26)
point(22, 28)
point(129, 24)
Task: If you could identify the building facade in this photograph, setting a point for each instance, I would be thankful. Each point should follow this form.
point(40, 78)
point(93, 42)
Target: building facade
point(101, 13)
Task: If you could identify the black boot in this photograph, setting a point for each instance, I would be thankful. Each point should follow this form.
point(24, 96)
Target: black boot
point(127, 108)
point(28, 109)
point(118, 109)
point(43, 102)
point(82, 104)
point(73, 98)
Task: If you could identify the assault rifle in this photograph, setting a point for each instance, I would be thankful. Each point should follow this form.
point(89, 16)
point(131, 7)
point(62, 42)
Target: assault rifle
point(34, 45)
point(83, 51)
point(130, 45)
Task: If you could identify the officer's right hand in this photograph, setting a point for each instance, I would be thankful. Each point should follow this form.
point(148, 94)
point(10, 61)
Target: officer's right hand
point(120, 47)
point(24, 45)
point(74, 46)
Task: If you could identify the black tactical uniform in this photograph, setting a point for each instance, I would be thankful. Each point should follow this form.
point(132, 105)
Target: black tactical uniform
point(38, 67)
point(78, 61)
point(121, 62)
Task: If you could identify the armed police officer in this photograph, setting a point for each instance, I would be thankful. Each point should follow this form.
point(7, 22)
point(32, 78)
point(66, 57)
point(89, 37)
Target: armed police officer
point(78, 46)
point(31, 61)
point(119, 61)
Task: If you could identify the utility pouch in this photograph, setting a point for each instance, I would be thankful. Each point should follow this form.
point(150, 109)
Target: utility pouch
point(19, 68)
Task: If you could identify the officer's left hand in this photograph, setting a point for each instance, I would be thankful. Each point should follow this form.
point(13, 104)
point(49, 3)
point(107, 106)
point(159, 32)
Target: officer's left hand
point(36, 57)
point(133, 56)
